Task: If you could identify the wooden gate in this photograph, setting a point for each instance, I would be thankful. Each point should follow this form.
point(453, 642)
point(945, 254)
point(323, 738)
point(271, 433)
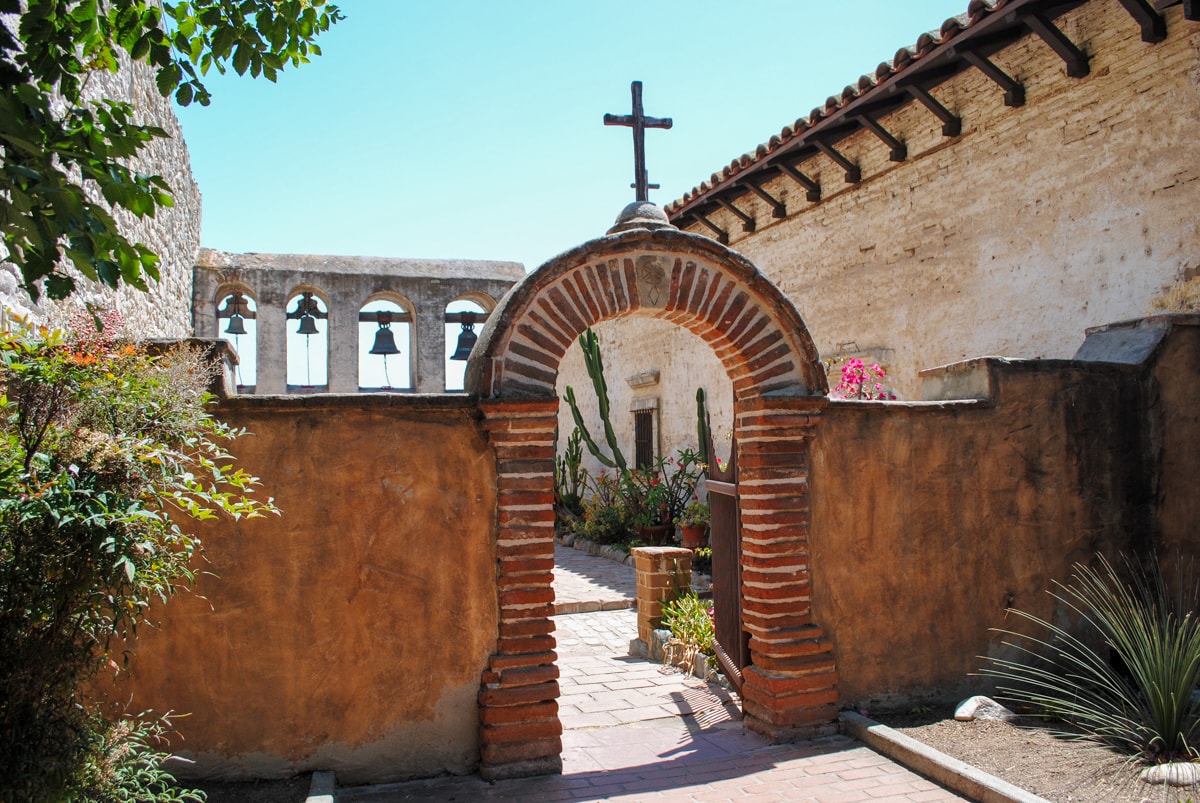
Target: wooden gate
point(732, 643)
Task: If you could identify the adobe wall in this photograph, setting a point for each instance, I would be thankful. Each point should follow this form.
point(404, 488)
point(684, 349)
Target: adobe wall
point(173, 233)
point(350, 633)
point(1035, 223)
point(929, 519)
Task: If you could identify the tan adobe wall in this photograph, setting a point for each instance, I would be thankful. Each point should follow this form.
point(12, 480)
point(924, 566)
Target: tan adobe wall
point(173, 234)
point(350, 633)
point(1039, 221)
point(930, 519)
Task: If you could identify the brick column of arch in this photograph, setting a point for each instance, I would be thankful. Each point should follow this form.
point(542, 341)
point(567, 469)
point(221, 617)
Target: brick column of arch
point(790, 690)
point(520, 733)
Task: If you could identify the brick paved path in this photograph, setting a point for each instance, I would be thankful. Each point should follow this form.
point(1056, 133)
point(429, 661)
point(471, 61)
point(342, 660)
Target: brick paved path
point(638, 731)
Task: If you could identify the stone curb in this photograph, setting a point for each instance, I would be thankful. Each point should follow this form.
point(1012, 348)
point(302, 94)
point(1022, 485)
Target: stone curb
point(322, 788)
point(593, 606)
point(951, 773)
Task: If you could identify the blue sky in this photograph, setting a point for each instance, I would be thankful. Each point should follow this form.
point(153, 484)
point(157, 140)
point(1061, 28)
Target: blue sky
point(473, 130)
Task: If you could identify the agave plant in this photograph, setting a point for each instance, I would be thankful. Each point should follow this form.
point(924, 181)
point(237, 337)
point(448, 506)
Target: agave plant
point(1136, 693)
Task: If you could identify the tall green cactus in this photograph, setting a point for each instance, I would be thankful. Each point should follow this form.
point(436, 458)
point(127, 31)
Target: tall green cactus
point(590, 344)
point(702, 426)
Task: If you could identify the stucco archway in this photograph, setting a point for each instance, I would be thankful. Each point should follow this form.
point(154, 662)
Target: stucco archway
point(779, 389)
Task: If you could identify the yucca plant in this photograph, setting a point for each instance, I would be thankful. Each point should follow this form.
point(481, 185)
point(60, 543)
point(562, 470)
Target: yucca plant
point(1142, 699)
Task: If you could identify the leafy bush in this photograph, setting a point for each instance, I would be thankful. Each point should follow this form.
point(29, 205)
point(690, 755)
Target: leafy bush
point(103, 448)
point(606, 518)
point(1141, 700)
point(690, 619)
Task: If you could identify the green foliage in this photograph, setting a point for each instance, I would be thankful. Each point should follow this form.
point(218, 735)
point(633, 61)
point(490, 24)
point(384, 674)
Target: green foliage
point(702, 430)
point(690, 619)
point(595, 368)
point(127, 767)
point(606, 518)
point(103, 450)
point(659, 494)
point(570, 477)
point(62, 150)
point(1141, 700)
point(694, 515)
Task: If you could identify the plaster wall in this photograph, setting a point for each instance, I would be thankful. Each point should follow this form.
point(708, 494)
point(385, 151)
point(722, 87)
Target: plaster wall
point(349, 633)
point(930, 519)
point(173, 233)
point(1035, 223)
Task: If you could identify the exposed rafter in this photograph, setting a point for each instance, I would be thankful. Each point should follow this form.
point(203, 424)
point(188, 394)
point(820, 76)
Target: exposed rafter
point(899, 151)
point(1154, 27)
point(778, 208)
point(951, 124)
point(853, 173)
point(812, 187)
point(748, 223)
point(1076, 59)
point(914, 76)
point(1014, 92)
point(722, 235)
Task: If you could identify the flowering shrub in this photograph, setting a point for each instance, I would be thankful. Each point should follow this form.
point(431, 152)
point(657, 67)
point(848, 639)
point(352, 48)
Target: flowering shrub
point(104, 449)
point(659, 495)
point(861, 382)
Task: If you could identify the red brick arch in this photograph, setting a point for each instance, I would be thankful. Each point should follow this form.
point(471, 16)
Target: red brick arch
point(779, 388)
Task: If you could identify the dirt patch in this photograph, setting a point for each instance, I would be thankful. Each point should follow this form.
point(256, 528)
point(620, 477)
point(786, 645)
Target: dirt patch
point(1030, 755)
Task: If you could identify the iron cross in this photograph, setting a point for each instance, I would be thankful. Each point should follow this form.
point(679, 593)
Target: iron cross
point(639, 122)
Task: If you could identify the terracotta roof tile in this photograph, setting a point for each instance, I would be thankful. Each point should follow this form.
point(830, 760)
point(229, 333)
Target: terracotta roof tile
point(904, 58)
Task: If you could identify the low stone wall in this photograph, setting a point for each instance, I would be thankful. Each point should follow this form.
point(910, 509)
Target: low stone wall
point(350, 633)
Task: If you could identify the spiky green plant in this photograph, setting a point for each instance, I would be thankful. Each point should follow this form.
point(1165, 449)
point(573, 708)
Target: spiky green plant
point(1141, 701)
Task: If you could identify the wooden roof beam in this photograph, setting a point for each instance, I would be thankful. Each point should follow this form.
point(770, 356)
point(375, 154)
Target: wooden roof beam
point(1154, 27)
point(778, 208)
point(899, 151)
point(722, 235)
point(747, 220)
point(1014, 92)
point(1076, 59)
point(853, 173)
point(951, 125)
point(812, 187)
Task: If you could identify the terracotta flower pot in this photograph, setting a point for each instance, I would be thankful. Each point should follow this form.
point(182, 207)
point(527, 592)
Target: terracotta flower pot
point(694, 535)
point(654, 534)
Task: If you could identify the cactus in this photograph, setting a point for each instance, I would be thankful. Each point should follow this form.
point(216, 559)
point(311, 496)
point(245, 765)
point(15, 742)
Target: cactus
point(702, 433)
point(569, 476)
point(595, 368)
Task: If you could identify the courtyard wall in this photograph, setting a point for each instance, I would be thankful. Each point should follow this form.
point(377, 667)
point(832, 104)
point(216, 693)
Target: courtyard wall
point(350, 632)
point(930, 519)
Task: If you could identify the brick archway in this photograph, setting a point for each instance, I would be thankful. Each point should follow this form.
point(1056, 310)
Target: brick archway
point(779, 388)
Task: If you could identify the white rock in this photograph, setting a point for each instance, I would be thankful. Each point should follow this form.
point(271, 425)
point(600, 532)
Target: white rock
point(1180, 773)
point(980, 707)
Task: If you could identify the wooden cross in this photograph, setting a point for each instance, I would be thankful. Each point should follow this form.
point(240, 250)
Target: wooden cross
point(639, 122)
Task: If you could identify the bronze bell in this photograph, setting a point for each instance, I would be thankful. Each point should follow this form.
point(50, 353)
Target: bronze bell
point(308, 325)
point(466, 338)
point(385, 341)
point(237, 325)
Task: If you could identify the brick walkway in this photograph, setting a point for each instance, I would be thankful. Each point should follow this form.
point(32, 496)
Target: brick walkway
point(638, 731)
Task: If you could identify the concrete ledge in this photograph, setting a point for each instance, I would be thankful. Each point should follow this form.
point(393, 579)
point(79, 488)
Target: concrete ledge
point(951, 773)
point(322, 788)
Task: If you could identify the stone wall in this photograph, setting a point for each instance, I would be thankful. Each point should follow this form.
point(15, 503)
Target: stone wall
point(930, 519)
point(1035, 223)
point(173, 233)
point(349, 633)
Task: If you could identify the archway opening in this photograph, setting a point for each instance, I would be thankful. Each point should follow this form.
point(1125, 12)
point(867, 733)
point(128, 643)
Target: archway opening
point(307, 343)
point(385, 345)
point(465, 316)
point(237, 323)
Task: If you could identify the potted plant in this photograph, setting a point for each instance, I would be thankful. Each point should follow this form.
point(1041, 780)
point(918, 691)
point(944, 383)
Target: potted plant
point(693, 524)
